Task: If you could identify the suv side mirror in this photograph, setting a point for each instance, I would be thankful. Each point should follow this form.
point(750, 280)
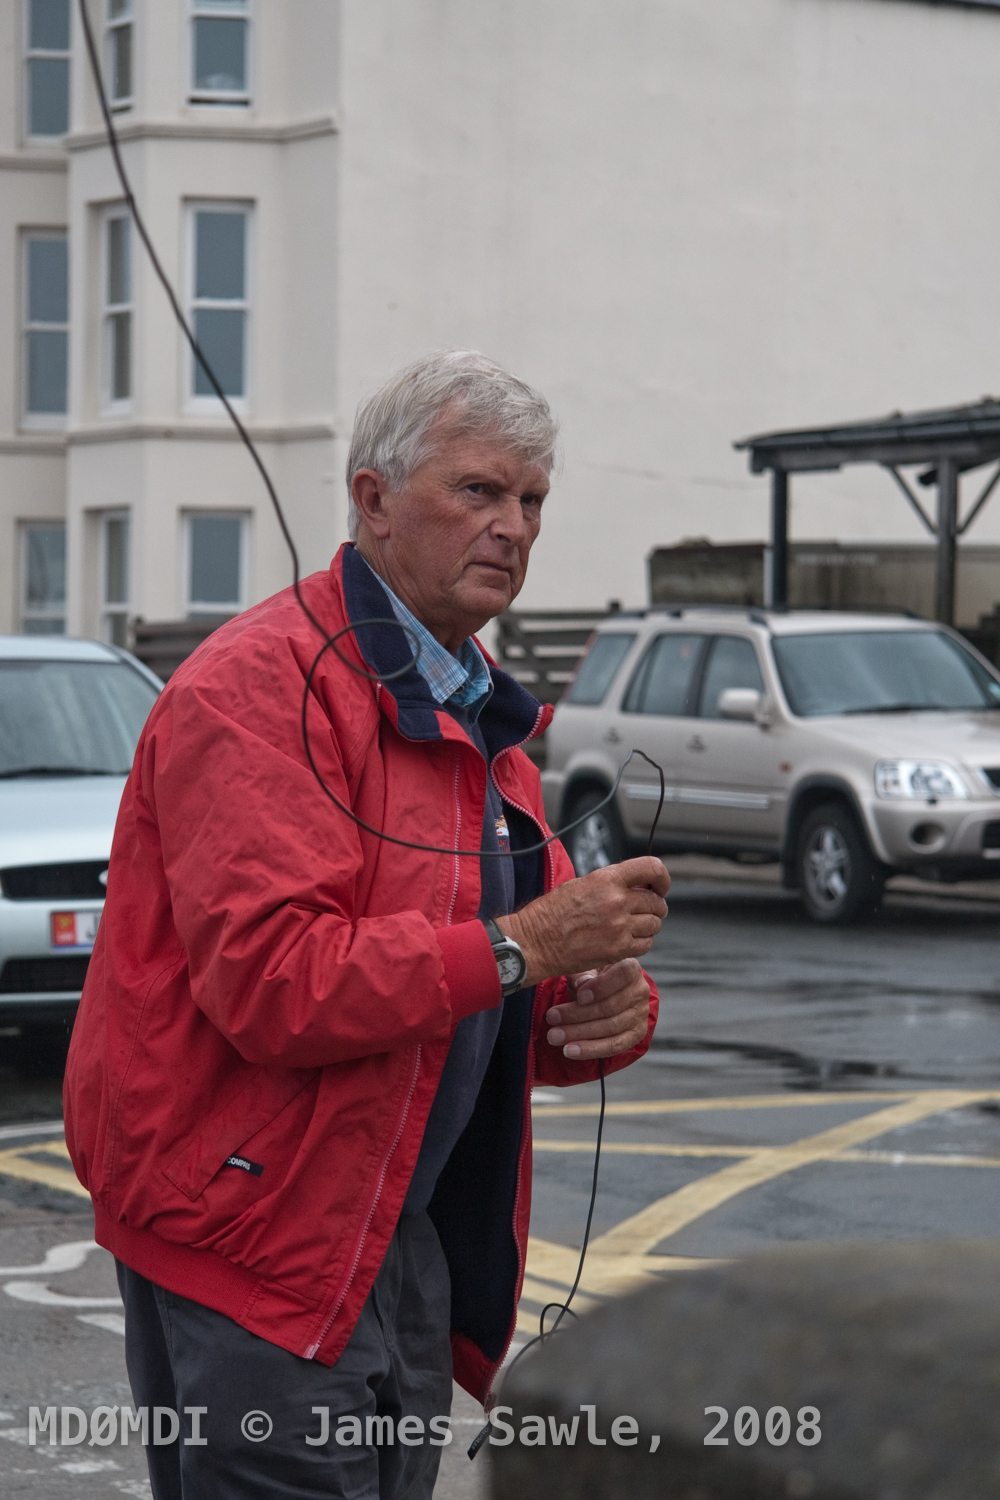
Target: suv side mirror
point(740, 703)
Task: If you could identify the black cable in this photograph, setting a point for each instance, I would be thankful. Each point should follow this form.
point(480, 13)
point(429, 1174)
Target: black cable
point(329, 641)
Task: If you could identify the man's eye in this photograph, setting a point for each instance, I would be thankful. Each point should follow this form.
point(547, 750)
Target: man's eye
point(476, 489)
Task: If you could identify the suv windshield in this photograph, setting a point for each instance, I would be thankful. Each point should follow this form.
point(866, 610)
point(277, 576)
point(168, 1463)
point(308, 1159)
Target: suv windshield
point(881, 672)
point(70, 718)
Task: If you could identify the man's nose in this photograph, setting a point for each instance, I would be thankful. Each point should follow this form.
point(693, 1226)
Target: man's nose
point(510, 523)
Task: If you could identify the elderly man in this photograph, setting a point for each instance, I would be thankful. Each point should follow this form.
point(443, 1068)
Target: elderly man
point(299, 1083)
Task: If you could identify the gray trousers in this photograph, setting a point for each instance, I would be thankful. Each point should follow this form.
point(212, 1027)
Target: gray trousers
point(397, 1364)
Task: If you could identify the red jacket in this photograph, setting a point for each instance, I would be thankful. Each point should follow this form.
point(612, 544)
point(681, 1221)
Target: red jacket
point(271, 981)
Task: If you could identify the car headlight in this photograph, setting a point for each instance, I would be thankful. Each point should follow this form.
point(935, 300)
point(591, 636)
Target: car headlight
point(918, 778)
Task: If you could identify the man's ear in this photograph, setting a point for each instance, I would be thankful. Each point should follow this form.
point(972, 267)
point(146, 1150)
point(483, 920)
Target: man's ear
point(368, 490)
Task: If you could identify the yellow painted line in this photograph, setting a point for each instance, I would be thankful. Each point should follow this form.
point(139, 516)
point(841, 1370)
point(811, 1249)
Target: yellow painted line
point(640, 1233)
point(655, 1148)
point(551, 1271)
point(20, 1162)
point(697, 1106)
point(924, 1159)
point(644, 1148)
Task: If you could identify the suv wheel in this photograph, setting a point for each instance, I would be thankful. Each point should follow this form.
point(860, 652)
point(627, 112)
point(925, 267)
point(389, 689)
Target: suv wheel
point(600, 839)
point(839, 877)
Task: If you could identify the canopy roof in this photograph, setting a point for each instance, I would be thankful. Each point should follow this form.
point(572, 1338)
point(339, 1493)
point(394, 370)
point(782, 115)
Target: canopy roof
point(969, 434)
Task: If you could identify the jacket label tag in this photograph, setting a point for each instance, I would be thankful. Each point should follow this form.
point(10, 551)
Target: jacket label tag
point(253, 1167)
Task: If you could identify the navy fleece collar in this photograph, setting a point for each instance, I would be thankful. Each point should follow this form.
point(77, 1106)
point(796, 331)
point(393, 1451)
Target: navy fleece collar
point(508, 718)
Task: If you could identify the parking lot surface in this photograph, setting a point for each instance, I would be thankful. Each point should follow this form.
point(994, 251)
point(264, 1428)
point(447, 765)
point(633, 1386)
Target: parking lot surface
point(806, 1083)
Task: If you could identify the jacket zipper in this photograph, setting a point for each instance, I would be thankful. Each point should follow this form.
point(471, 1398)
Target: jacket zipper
point(457, 844)
point(314, 1347)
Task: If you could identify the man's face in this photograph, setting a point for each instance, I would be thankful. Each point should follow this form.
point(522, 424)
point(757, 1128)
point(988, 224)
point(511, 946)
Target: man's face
point(454, 544)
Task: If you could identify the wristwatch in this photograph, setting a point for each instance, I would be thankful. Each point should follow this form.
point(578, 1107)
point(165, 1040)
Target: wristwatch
point(511, 962)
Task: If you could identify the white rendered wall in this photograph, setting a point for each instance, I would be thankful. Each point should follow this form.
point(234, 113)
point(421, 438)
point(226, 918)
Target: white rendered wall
point(160, 459)
point(32, 196)
point(686, 222)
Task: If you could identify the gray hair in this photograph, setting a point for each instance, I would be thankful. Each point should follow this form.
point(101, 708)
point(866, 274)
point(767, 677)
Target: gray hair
point(393, 429)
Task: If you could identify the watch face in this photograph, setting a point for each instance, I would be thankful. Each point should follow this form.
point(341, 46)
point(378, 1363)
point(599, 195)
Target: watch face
point(511, 967)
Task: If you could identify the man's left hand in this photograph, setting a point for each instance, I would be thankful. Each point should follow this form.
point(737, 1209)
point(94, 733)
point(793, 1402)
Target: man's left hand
point(609, 1015)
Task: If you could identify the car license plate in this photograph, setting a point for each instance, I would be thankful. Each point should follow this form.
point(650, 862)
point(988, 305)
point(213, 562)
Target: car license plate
point(74, 929)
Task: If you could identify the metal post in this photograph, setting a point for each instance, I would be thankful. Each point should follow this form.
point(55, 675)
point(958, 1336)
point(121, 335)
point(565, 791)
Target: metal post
point(947, 529)
point(779, 540)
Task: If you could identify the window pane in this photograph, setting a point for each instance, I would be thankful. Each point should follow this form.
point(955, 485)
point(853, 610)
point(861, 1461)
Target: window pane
point(119, 262)
point(598, 668)
point(119, 8)
point(220, 63)
point(219, 332)
point(121, 62)
point(48, 281)
point(220, 240)
point(116, 561)
point(662, 682)
point(48, 95)
point(118, 630)
point(732, 664)
point(48, 25)
point(215, 560)
point(121, 356)
point(45, 585)
point(53, 625)
point(47, 372)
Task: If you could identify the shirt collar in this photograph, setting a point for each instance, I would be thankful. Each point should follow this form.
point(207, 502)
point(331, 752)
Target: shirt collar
point(463, 680)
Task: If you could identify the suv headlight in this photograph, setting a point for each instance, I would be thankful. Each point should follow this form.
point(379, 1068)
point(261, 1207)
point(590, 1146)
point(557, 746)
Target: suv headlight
point(918, 778)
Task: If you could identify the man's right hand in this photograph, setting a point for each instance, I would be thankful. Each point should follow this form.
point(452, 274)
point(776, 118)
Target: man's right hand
point(592, 921)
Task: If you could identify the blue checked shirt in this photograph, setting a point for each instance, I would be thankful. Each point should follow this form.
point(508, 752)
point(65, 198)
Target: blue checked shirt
point(462, 680)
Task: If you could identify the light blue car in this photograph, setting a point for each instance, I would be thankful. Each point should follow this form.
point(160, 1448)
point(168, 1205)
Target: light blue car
point(71, 712)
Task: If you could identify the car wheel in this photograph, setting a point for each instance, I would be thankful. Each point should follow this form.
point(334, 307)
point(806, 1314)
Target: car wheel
point(839, 877)
point(599, 840)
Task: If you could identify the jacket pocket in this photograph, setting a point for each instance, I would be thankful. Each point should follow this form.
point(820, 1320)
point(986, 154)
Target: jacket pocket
point(262, 1098)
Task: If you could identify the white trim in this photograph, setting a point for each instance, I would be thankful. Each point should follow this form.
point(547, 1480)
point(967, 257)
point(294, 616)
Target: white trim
point(111, 405)
point(211, 405)
point(24, 612)
point(40, 421)
point(189, 606)
point(214, 98)
point(110, 610)
point(27, 53)
point(118, 103)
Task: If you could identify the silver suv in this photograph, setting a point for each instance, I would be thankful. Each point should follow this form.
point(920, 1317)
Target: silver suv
point(849, 747)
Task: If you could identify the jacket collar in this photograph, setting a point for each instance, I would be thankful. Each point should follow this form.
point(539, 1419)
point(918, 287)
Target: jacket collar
point(512, 714)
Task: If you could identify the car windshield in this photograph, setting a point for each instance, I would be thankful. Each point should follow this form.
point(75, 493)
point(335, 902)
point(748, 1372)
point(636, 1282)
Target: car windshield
point(881, 672)
point(70, 718)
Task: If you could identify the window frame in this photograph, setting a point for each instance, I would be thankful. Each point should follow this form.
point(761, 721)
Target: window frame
point(40, 421)
point(118, 104)
point(24, 610)
point(110, 404)
point(193, 609)
point(29, 53)
point(110, 610)
point(706, 666)
point(214, 98)
point(638, 678)
point(211, 405)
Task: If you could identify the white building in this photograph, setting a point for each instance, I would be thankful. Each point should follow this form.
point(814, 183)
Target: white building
point(685, 221)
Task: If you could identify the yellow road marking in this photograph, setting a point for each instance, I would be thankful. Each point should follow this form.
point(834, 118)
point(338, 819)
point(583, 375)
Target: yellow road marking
point(926, 1159)
point(642, 1231)
point(656, 1148)
point(21, 1162)
point(551, 1271)
point(695, 1106)
point(644, 1148)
